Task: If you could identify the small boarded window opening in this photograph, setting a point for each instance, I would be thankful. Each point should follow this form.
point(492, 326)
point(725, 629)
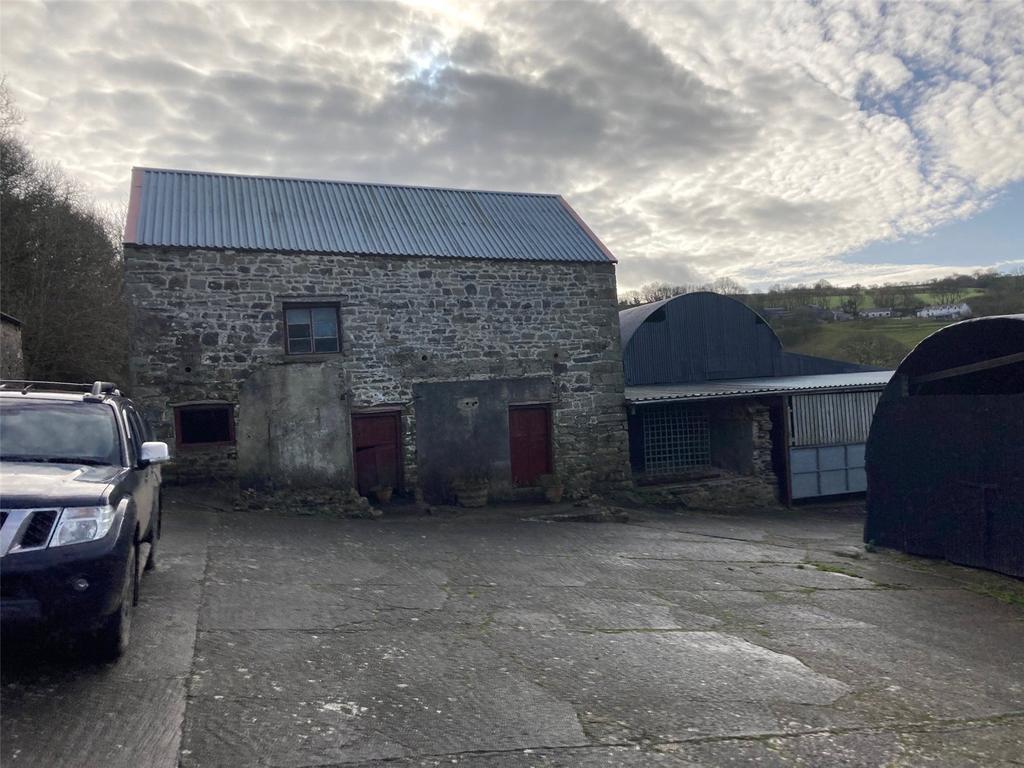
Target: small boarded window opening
point(205, 425)
point(675, 439)
point(311, 329)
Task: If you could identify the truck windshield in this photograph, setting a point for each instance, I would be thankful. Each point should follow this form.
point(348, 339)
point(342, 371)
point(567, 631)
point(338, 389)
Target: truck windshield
point(78, 433)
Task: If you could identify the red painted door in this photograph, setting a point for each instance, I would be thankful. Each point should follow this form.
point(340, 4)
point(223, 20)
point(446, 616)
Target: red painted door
point(377, 447)
point(529, 428)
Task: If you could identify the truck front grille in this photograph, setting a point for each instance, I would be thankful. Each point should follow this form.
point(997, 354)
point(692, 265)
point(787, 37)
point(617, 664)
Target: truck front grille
point(37, 532)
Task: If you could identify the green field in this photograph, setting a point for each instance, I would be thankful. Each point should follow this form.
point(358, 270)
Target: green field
point(868, 301)
point(881, 342)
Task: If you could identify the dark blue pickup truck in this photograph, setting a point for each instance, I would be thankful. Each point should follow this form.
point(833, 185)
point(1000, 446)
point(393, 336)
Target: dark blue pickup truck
point(79, 502)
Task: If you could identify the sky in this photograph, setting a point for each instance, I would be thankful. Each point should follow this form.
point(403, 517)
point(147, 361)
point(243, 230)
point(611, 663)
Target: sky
point(769, 142)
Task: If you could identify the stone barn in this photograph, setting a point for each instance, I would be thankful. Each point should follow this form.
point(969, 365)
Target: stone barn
point(12, 361)
point(722, 415)
point(302, 333)
point(945, 458)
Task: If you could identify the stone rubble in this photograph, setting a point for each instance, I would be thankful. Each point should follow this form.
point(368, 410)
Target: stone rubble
point(329, 502)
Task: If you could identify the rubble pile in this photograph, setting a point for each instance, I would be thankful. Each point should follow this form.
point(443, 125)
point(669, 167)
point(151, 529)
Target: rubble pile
point(329, 502)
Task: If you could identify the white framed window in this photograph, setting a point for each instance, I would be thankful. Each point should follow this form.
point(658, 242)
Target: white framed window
point(311, 328)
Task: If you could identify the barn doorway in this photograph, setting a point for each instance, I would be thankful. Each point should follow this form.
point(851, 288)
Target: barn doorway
point(376, 446)
point(529, 428)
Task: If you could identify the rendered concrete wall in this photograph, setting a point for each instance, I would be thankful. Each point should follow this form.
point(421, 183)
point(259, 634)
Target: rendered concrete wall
point(462, 427)
point(204, 321)
point(294, 428)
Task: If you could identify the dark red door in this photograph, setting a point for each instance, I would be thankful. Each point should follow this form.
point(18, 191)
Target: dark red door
point(529, 428)
point(377, 446)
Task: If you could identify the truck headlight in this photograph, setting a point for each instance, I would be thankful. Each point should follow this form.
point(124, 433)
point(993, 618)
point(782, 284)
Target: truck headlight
point(81, 524)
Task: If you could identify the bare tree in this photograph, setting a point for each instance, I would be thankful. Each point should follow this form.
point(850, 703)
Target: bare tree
point(853, 300)
point(821, 293)
point(60, 267)
point(10, 115)
point(947, 290)
point(727, 287)
point(885, 296)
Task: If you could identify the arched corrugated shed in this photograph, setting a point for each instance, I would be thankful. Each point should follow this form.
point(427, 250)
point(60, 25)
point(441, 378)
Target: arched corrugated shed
point(706, 337)
point(945, 456)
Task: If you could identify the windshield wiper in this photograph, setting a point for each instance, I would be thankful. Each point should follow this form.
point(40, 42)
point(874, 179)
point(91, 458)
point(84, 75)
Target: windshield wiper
point(78, 460)
point(57, 460)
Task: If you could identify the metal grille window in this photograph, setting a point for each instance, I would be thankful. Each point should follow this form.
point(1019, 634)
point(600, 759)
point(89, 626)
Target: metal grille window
point(674, 439)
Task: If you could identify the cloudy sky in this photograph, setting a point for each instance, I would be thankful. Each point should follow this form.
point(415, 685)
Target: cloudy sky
point(768, 142)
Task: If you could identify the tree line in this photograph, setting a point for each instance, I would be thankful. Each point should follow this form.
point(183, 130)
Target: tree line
point(989, 293)
point(60, 266)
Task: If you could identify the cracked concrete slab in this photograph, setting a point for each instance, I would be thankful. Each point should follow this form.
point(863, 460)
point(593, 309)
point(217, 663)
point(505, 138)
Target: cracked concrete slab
point(490, 639)
point(411, 692)
point(60, 709)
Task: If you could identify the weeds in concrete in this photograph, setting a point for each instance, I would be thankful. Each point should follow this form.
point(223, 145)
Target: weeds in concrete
point(1009, 594)
point(833, 568)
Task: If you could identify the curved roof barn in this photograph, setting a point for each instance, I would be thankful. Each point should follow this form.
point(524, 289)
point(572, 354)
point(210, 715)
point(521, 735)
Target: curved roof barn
point(946, 448)
point(706, 336)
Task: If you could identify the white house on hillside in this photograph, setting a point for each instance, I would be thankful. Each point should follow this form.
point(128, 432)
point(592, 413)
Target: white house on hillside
point(953, 311)
point(872, 313)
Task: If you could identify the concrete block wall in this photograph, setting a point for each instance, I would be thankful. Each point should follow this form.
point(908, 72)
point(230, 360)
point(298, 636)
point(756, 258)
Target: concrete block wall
point(204, 321)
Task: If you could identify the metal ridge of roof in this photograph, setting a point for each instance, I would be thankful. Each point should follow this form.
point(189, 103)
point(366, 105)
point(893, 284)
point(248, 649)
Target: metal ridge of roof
point(711, 390)
point(202, 209)
point(313, 180)
point(631, 318)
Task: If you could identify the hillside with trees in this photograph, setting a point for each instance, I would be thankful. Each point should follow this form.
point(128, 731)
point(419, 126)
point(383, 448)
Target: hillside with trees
point(60, 266)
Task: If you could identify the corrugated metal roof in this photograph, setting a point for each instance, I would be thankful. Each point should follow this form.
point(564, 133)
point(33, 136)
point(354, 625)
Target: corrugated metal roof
point(214, 210)
point(773, 385)
point(632, 318)
point(704, 336)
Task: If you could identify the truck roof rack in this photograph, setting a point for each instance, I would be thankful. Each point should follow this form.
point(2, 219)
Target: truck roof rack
point(98, 389)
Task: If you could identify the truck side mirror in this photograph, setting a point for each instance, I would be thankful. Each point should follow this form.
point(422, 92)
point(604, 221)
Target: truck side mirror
point(154, 453)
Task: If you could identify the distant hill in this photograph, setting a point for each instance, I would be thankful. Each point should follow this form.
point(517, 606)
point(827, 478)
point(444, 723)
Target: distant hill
point(883, 342)
point(797, 312)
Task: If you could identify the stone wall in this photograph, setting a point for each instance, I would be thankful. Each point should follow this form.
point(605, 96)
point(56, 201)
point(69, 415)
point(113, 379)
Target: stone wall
point(204, 321)
point(742, 475)
point(12, 364)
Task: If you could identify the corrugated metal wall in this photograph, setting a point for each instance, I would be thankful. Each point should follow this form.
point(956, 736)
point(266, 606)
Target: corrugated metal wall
point(838, 418)
point(945, 459)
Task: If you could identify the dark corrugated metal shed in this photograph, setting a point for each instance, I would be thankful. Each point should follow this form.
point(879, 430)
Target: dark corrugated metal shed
point(945, 457)
point(706, 337)
point(215, 210)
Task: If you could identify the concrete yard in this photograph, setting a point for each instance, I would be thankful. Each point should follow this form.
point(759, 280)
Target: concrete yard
point(492, 639)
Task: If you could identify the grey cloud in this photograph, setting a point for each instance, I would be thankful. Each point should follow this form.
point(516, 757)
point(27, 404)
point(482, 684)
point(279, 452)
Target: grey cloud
point(778, 214)
point(696, 139)
point(634, 271)
point(486, 112)
point(150, 70)
point(475, 50)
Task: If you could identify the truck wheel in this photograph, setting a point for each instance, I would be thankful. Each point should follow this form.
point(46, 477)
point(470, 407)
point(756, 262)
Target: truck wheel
point(113, 637)
point(154, 537)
